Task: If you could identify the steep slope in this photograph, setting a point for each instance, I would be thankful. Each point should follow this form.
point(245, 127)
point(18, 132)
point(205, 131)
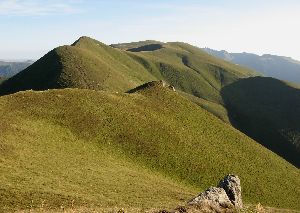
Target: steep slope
point(280, 67)
point(267, 110)
point(10, 68)
point(199, 76)
point(85, 64)
point(188, 68)
point(150, 148)
point(206, 81)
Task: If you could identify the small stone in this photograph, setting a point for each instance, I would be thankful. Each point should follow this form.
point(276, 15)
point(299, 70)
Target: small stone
point(172, 88)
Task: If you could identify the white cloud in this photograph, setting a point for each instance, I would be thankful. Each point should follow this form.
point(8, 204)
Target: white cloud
point(36, 7)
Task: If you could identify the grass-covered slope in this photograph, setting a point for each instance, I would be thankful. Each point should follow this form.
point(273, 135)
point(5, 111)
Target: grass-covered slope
point(186, 67)
point(151, 148)
point(85, 64)
point(198, 75)
point(267, 110)
point(90, 64)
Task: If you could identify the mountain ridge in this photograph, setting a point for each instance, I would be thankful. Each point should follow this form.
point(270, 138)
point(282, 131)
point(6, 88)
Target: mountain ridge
point(204, 79)
point(280, 67)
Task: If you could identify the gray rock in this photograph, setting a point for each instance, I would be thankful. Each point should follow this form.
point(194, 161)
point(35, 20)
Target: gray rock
point(214, 197)
point(163, 83)
point(172, 88)
point(232, 186)
point(226, 197)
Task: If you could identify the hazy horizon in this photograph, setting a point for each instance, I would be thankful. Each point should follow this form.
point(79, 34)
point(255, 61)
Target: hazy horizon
point(31, 28)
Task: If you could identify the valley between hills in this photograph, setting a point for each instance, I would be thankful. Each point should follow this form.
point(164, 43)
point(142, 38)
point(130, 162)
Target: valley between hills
point(144, 125)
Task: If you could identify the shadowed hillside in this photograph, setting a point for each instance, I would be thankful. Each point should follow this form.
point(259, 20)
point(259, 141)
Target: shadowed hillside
point(148, 47)
point(151, 148)
point(267, 110)
point(2, 79)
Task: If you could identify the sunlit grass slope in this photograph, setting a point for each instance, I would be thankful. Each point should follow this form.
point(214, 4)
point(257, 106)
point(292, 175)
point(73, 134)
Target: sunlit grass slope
point(186, 67)
point(151, 149)
point(90, 64)
point(87, 64)
point(265, 109)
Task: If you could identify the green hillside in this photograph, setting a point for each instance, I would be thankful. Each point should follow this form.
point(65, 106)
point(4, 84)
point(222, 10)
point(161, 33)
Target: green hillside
point(86, 64)
point(147, 149)
point(198, 76)
point(188, 68)
point(267, 110)
point(89, 64)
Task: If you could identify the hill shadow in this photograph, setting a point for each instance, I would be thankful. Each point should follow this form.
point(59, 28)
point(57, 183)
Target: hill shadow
point(148, 47)
point(267, 110)
point(41, 75)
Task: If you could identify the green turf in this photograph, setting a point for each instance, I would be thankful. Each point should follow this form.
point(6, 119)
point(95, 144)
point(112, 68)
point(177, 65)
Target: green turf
point(198, 75)
point(86, 64)
point(152, 148)
point(188, 68)
point(265, 109)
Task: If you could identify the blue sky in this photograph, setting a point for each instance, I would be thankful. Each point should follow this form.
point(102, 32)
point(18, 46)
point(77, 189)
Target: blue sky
point(31, 28)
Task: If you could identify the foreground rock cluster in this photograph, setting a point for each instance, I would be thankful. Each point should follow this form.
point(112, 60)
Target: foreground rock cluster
point(226, 197)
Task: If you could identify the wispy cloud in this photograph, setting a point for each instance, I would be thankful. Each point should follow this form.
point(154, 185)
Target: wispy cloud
point(37, 7)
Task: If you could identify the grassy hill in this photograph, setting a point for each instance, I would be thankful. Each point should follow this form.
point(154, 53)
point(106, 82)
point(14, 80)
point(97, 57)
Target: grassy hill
point(267, 110)
point(198, 75)
point(86, 64)
point(147, 149)
point(188, 68)
point(204, 79)
point(90, 64)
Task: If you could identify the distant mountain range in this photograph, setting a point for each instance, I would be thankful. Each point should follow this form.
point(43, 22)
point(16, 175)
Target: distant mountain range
point(280, 67)
point(10, 68)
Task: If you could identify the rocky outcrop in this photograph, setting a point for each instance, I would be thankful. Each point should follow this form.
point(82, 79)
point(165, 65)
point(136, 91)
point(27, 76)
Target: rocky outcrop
point(214, 197)
point(232, 186)
point(172, 88)
point(224, 197)
point(152, 84)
